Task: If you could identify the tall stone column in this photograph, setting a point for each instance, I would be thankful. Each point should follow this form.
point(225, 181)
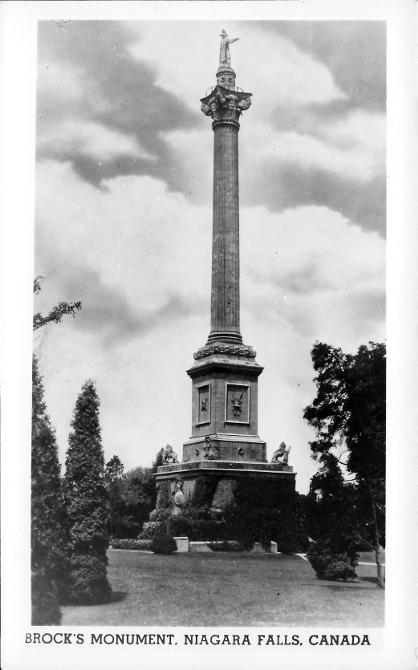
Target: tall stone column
point(225, 105)
point(225, 305)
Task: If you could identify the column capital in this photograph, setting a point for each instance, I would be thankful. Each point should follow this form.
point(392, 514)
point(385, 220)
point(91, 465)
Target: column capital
point(225, 105)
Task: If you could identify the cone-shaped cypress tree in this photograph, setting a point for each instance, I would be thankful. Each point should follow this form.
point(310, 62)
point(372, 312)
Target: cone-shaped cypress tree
point(49, 548)
point(87, 503)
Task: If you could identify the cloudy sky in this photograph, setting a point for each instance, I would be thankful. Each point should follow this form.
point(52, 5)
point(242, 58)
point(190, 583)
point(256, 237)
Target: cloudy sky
point(124, 170)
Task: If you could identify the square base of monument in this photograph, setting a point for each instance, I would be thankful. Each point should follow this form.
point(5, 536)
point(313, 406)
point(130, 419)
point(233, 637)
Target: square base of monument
point(214, 484)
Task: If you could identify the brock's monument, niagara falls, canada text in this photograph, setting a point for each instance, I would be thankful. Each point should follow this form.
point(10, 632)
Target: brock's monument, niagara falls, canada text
point(225, 451)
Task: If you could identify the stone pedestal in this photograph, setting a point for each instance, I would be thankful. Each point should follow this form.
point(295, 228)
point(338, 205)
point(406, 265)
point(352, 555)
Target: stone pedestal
point(225, 406)
point(182, 544)
point(213, 485)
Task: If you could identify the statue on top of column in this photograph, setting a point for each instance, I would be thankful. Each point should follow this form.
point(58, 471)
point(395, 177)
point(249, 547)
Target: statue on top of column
point(224, 55)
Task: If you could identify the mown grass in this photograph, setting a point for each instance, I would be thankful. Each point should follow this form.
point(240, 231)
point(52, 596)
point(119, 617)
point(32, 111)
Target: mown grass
point(229, 589)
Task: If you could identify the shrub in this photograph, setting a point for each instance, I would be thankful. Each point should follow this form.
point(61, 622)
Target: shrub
point(332, 565)
point(225, 545)
point(129, 543)
point(178, 526)
point(206, 529)
point(88, 580)
point(45, 607)
point(150, 529)
point(163, 543)
point(163, 495)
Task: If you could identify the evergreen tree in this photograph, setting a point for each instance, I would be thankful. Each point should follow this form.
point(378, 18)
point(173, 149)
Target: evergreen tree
point(87, 503)
point(48, 538)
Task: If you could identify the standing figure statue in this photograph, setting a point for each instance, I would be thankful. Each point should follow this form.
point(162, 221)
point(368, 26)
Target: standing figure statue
point(281, 455)
point(178, 498)
point(224, 55)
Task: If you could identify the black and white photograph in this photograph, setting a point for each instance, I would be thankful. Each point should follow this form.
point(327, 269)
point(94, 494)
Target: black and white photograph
point(205, 467)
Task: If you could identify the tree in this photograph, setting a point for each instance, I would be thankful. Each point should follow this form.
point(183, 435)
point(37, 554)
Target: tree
point(87, 503)
point(113, 470)
point(49, 538)
point(348, 415)
point(48, 530)
point(57, 312)
point(132, 497)
point(158, 459)
point(333, 522)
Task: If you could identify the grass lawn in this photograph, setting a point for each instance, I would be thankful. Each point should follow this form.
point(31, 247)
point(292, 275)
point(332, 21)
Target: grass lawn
point(229, 589)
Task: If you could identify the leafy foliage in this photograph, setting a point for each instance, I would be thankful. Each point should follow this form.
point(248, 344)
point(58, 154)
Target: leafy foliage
point(329, 563)
point(114, 470)
point(48, 530)
point(348, 413)
point(130, 543)
point(132, 497)
point(163, 543)
point(331, 503)
point(87, 503)
point(158, 460)
point(57, 312)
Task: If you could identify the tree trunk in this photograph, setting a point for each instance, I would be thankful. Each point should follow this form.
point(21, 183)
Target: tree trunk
point(379, 567)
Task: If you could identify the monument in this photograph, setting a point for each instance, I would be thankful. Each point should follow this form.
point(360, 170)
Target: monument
point(224, 448)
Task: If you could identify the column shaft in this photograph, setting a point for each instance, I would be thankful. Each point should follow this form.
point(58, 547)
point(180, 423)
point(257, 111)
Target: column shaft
point(225, 299)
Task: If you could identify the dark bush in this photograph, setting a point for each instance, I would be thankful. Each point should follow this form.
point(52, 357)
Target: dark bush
point(225, 545)
point(248, 525)
point(150, 529)
point(178, 526)
point(45, 607)
point(206, 529)
point(163, 543)
point(129, 543)
point(330, 564)
point(88, 583)
point(164, 499)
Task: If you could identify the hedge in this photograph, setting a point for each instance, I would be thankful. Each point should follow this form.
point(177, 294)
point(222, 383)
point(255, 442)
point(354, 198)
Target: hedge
point(129, 543)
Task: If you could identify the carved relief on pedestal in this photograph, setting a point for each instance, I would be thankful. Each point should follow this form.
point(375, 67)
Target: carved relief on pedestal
point(203, 404)
point(237, 403)
point(210, 451)
point(178, 498)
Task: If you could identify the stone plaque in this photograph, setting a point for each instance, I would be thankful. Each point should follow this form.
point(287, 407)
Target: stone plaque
point(203, 408)
point(237, 400)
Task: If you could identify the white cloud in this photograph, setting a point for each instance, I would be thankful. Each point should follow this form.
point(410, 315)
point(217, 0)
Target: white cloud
point(352, 147)
point(90, 139)
point(60, 81)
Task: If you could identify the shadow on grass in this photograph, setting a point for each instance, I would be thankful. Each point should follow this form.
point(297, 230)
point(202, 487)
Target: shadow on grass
point(372, 580)
point(117, 596)
point(346, 586)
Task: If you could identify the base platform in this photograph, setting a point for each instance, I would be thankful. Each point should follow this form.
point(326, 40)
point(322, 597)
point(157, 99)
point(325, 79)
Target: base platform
point(219, 484)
